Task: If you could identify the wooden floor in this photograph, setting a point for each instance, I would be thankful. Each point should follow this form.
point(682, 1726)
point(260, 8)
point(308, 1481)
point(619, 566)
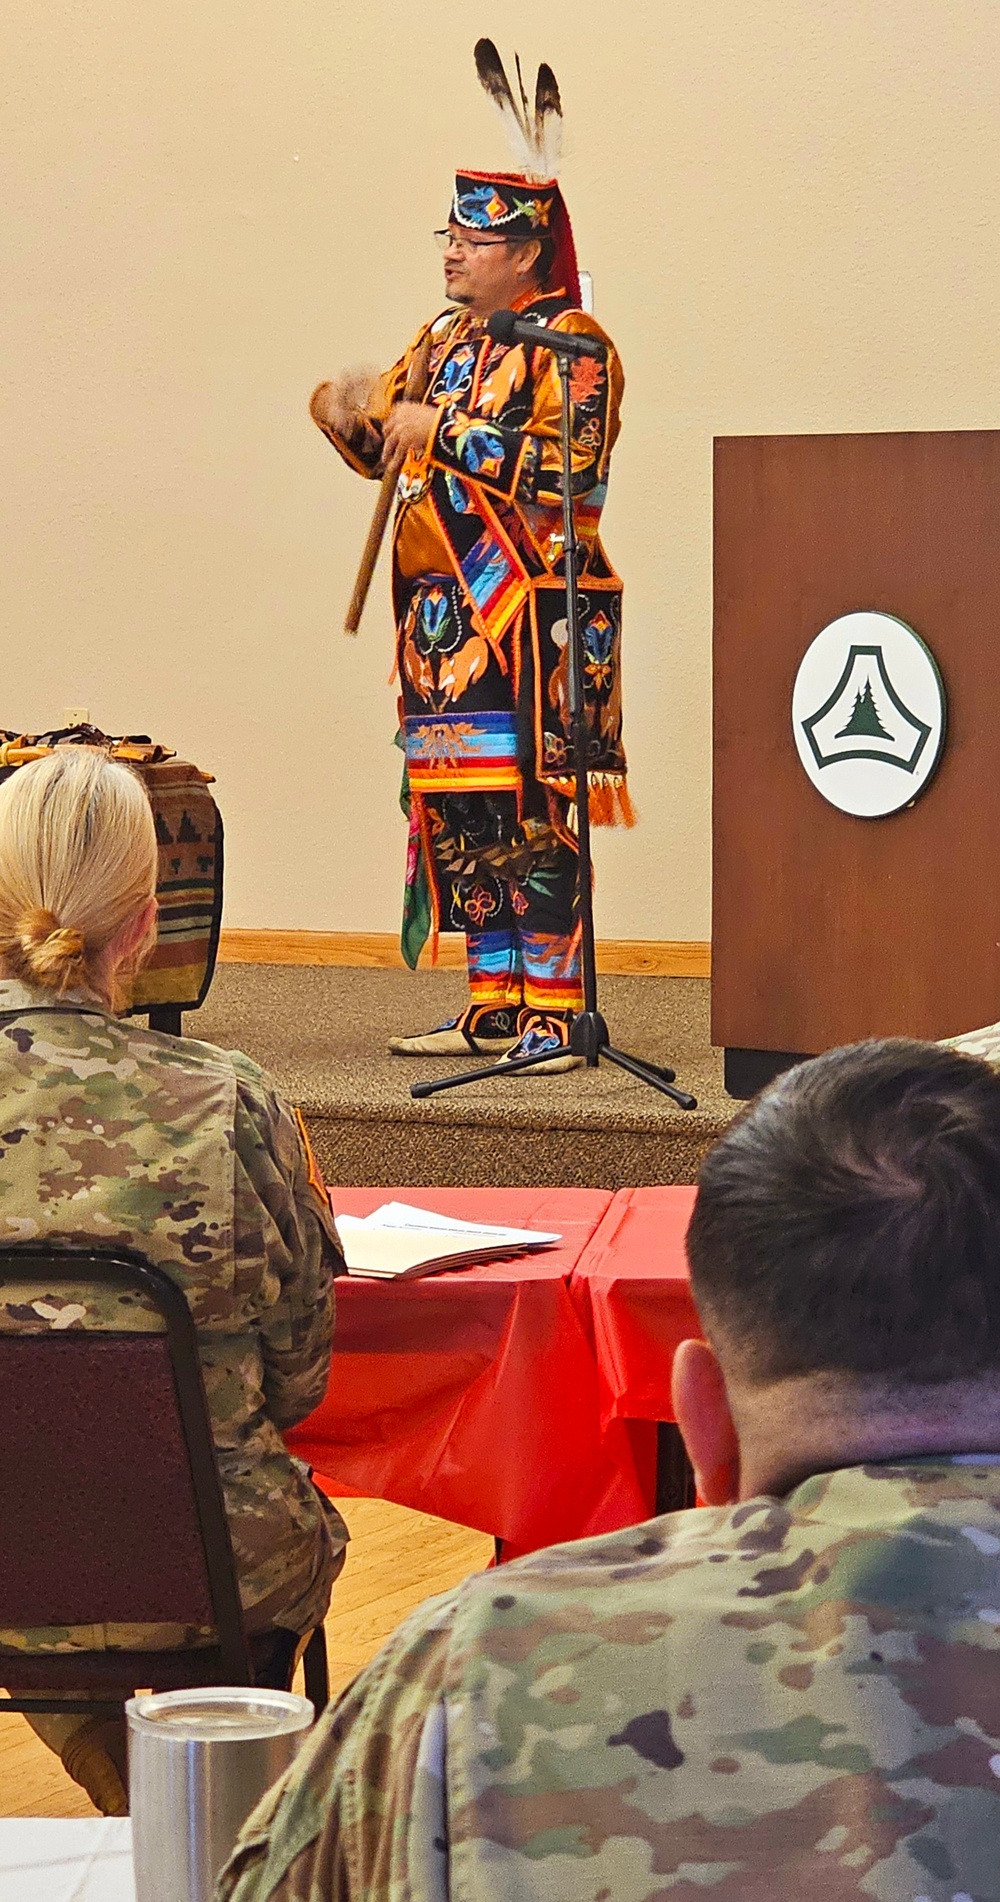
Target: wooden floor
point(395, 1560)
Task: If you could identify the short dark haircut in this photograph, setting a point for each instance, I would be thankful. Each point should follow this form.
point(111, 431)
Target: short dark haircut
point(849, 1222)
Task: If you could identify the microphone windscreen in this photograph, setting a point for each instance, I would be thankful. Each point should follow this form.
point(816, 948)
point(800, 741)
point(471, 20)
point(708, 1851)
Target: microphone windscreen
point(501, 326)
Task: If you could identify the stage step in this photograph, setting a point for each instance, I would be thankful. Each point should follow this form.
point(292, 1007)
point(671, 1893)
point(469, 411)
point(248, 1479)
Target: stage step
point(321, 1032)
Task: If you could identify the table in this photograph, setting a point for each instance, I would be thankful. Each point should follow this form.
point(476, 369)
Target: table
point(474, 1394)
point(81, 1859)
point(633, 1293)
point(632, 1288)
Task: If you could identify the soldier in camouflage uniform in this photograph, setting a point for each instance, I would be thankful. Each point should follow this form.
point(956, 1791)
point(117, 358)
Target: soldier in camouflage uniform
point(791, 1692)
point(984, 1043)
point(112, 1133)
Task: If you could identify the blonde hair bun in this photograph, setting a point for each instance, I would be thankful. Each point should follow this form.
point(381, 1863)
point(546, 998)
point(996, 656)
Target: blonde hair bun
point(53, 953)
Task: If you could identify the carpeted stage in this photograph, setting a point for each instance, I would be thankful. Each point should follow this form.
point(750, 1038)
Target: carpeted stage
point(322, 1031)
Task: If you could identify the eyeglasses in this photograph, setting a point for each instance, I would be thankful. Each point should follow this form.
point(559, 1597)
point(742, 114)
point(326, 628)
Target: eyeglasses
point(446, 240)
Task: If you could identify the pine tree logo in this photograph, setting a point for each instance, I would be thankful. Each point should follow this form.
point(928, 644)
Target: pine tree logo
point(864, 723)
point(865, 717)
point(869, 713)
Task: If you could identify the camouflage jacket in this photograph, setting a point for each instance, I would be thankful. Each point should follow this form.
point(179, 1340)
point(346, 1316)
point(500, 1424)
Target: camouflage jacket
point(788, 1698)
point(983, 1043)
point(110, 1132)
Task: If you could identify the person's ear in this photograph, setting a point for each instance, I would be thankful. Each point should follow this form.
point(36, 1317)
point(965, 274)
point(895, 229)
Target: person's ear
point(139, 927)
point(527, 263)
point(701, 1410)
point(135, 935)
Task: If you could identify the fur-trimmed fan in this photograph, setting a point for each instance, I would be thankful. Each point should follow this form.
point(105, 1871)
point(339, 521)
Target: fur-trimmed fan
point(535, 135)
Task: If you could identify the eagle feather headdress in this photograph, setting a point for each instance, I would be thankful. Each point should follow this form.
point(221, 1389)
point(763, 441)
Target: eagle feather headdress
point(534, 132)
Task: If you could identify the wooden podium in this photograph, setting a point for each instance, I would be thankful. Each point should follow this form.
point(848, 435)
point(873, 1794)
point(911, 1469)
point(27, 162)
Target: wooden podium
point(828, 928)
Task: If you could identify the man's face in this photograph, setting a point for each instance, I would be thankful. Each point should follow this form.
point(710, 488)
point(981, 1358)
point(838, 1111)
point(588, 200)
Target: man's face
point(483, 272)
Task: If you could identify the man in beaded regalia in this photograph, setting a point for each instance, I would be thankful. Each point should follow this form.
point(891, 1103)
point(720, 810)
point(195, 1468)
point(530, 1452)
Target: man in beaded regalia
point(479, 596)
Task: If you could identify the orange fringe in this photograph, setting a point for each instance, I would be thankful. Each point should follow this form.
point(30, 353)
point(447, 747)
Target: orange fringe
point(610, 805)
point(609, 802)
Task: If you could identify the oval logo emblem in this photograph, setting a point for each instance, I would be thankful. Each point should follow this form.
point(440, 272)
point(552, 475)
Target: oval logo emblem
point(869, 714)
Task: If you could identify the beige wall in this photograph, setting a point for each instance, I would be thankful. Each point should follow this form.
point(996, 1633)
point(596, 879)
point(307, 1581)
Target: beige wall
point(790, 211)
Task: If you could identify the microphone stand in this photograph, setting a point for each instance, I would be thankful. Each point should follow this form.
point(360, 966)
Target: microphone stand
point(589, 1037)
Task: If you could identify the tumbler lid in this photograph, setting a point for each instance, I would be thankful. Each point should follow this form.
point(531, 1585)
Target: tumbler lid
point(219, 1712)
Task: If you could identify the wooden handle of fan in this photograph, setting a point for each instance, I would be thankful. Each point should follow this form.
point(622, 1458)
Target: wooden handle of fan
point(372, 547)
point(414, 391)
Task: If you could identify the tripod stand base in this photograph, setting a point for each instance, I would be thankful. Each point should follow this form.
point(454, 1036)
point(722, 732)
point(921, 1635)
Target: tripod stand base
point(588, 1039)
point(589, 1036)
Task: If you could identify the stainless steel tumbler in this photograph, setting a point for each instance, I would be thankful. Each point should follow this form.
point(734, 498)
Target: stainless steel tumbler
point(198, 1762)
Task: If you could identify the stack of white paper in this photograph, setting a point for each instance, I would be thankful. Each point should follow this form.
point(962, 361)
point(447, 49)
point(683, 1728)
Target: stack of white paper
point(397, 1241)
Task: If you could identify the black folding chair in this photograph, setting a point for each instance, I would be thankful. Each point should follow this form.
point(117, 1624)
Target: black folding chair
point(111, 1506)
point(675, 1486)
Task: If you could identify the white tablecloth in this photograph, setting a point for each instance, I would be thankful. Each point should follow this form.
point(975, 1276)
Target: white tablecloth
point(79, 1859)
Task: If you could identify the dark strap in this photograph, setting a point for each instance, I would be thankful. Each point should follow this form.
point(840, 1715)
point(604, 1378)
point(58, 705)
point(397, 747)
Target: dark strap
point(41, 1010)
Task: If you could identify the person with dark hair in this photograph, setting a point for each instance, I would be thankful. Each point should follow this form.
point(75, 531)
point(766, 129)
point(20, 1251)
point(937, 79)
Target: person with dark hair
point(473, 428)
point(845, 1261)
point(792, 1691)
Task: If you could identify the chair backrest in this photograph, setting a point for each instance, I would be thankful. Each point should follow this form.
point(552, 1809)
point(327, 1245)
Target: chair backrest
point(111, 1507)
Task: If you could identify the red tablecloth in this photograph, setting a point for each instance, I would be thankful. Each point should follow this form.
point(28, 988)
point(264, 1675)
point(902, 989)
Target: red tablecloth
point(632, 1290)
point(474, 1394)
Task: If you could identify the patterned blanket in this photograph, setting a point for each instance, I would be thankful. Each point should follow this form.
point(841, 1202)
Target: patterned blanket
point(189, 888)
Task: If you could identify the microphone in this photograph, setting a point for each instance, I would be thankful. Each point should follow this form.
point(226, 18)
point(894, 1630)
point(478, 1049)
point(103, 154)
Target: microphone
point(505, 327)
